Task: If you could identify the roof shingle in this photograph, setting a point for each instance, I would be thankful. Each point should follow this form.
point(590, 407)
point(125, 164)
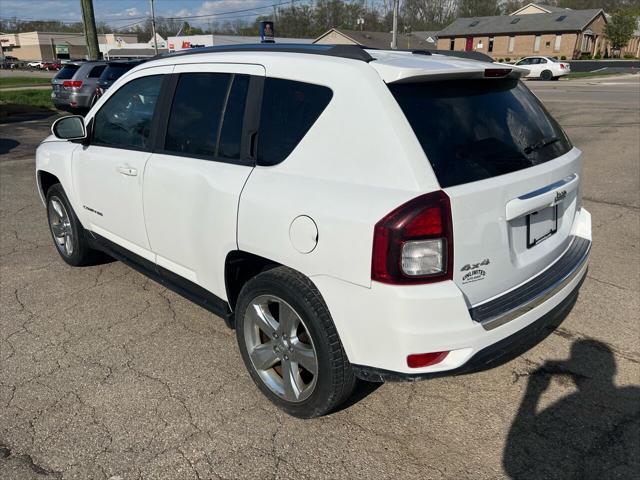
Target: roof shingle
point(573, 21)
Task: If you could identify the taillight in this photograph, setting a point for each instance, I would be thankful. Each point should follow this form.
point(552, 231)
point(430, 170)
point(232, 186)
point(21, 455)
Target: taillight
point(72, 83)
point(562, 66)
point(414, 243)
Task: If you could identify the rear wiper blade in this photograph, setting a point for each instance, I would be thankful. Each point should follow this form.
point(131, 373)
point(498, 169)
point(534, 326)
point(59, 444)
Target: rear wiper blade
point(545, 142)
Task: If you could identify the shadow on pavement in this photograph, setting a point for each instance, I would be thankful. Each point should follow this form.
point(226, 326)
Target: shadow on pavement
point(7, 144)
point(12, 113)
point(592, 433)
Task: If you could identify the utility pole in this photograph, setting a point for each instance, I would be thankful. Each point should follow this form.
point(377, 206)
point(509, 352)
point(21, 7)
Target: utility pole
point(394, 33)
point(153, 27)
point(90, 33)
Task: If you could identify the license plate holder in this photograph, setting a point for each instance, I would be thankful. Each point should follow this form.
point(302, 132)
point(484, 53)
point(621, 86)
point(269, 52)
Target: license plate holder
point(541, 225)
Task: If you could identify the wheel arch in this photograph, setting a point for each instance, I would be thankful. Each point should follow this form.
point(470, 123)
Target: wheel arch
point(45, 181)
point(240, 267)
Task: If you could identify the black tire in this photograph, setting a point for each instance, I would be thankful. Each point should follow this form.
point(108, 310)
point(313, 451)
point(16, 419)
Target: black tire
point(546, 75)
point(335, 380)
point(81, 254)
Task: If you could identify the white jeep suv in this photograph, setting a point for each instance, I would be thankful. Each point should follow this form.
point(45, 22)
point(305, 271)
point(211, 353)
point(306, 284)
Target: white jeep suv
point(351, 213)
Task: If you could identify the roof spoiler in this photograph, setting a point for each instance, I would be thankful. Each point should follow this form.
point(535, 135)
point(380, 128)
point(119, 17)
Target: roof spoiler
point(479, 56)
point(481, 72)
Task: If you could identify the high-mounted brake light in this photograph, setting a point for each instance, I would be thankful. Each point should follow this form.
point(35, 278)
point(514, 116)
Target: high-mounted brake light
point(72, 83)
point(414, 243)
point(496, 72)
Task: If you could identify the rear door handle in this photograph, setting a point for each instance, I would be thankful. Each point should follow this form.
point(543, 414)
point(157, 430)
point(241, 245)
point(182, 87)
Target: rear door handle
point(132, 172)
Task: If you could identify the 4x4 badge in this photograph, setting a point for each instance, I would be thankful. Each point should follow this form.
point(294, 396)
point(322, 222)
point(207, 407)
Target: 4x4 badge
point(472, 266)
point(473, 271)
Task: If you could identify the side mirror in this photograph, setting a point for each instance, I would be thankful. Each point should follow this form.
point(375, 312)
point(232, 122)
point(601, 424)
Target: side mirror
point(69, 128)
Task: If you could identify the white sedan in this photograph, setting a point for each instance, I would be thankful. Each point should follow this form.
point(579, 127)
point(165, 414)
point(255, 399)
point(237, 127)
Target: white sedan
point(34, 64)
point(545, 68)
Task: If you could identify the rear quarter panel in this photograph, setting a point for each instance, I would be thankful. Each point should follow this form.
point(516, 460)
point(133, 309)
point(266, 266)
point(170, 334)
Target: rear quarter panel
point(358, 162)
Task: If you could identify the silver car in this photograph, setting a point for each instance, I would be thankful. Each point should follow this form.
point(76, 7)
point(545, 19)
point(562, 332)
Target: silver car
point(74, 87)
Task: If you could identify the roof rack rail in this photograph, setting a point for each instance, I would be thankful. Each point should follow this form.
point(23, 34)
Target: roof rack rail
point(354, 52)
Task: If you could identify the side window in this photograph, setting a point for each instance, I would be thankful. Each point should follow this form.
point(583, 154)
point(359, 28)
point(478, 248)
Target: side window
point(125, 119)
point(207, 114)
point(96, 71)
point(289, 110)
point(543, 60)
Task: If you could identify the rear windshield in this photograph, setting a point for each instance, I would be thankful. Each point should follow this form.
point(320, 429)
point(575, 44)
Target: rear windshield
point(114, 72)
point(67, 72)
point(472, 130)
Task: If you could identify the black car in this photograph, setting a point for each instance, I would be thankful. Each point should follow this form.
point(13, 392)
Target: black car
point(113, 72)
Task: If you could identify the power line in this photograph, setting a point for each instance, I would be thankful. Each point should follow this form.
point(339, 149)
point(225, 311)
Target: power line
point(287, 2)
point(13, 18)
point(79, 20)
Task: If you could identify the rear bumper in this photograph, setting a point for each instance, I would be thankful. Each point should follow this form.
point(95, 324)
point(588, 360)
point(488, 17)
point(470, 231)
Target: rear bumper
point(72, 99)
point(380, 326)
point(491, 356)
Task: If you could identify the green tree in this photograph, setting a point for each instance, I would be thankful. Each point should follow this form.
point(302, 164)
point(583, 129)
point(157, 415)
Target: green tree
point(620, 29)
point(478, 8)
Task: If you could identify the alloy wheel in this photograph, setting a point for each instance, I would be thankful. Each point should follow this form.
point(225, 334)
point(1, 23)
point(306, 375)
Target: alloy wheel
point(280, 348)
point(60, 226)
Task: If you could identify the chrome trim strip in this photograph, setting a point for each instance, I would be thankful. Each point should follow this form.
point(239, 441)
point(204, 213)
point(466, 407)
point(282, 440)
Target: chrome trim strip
point(548, 188)
point(580, 246)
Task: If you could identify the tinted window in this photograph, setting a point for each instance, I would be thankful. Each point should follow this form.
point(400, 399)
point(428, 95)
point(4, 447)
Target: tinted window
point(125, 119)
point(67, 72)
point(96, 71)
point(289, 109)
point(113, 72)
point(199, 118)
point(472, 130)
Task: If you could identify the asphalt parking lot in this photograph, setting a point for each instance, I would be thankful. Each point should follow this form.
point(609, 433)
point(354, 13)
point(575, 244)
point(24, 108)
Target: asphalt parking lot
point(104, 374)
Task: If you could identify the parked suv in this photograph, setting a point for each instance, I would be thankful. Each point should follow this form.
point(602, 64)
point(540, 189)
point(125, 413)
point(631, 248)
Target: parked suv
point(113, 72)
point(74, 87)
point(351, 213)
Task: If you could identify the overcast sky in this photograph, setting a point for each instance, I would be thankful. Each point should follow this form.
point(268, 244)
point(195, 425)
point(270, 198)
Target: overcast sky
point(123, 12)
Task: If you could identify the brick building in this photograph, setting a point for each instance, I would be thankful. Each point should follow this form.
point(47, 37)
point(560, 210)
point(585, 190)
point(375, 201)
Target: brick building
point(532, 30)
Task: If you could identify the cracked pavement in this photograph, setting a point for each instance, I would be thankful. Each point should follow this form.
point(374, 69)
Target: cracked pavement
point(105, 374)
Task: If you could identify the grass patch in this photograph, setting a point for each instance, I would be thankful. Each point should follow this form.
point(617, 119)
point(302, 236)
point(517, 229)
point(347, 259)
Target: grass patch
point(32, 98)
point(574, 75)
point(18, 81)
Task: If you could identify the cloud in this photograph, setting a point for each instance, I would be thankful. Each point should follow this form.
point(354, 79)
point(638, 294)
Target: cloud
point(41, 10)
point(211, 7)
